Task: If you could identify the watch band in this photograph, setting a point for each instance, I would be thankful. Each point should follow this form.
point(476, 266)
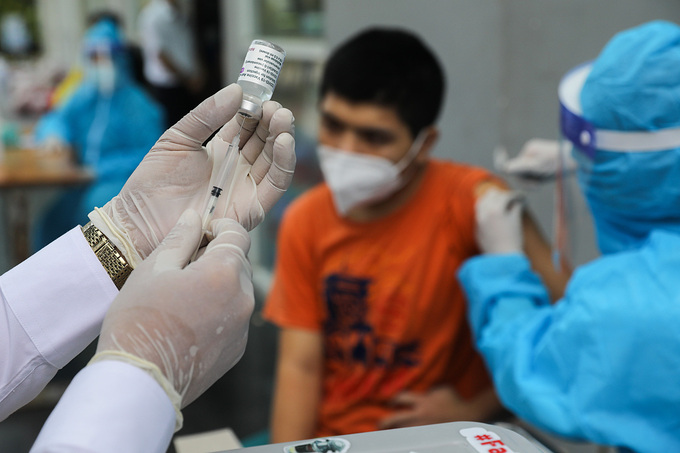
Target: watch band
point(113, 261)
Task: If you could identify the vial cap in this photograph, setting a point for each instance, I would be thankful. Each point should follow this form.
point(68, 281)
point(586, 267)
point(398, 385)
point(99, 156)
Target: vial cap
point(250, 109)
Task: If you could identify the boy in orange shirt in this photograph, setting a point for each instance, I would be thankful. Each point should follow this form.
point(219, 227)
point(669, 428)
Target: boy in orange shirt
point(373, 327)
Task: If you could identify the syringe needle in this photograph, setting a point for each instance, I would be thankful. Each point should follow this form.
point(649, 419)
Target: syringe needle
point(225, 175)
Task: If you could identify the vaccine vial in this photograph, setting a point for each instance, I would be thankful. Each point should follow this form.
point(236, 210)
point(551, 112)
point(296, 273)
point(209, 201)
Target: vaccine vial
point(258, 76)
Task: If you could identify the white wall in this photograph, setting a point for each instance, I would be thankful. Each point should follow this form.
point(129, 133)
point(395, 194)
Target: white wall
point(62, 25)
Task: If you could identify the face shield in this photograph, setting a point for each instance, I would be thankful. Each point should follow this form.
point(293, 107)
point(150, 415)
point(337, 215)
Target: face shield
point(629, 178)
point(102, 44)
point(100, 68)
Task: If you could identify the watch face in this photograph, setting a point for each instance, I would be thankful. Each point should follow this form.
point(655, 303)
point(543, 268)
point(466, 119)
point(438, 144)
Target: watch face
point(108, 255)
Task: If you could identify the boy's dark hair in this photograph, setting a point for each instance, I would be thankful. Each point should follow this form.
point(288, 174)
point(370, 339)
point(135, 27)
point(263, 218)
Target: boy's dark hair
point(389, 67)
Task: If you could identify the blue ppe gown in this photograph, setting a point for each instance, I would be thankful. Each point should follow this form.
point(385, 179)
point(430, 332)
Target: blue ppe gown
point(603, 364)
point(110, 132)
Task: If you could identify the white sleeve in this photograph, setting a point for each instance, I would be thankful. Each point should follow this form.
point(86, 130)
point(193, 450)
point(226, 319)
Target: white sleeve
point(51, 307)
point(110, 406)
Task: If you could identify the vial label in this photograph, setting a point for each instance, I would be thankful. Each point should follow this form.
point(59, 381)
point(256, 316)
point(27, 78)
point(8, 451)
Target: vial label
point(262, 65)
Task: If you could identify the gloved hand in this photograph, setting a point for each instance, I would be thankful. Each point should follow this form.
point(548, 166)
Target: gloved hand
point(538, 160)
point(499, 222)
point(178, 173)
point(264, 168)
point(190, 321)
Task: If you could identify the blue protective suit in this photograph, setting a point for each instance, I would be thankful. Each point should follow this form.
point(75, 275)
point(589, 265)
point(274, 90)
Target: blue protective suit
point(110, 132)
point(603, 364)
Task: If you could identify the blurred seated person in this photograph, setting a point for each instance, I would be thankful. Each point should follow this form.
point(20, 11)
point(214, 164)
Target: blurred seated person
point(373, 331)
point(107, 124)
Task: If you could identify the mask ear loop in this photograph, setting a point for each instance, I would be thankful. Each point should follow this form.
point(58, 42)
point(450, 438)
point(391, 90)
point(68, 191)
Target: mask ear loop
point(412, 151)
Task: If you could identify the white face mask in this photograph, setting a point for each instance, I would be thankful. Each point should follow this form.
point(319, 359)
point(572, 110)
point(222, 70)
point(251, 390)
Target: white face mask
point(106, 77)
point(102, 71)
point(359, 179)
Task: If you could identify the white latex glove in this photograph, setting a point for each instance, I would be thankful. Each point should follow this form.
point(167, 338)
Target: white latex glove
point(190, 321)
point(178, 173)
point(499, 221)
point(538, 160)
point(263, 173)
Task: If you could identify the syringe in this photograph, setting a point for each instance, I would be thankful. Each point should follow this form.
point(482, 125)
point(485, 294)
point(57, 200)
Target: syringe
point(224, 178)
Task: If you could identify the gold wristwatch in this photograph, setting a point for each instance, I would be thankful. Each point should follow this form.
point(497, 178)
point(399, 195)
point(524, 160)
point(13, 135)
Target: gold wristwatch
point(113, 261)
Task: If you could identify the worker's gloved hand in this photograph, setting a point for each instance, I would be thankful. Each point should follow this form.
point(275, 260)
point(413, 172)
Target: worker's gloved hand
point(264, 168)
point(190, 321)
point(499, 221)
point(538, 160)
point(179, 172)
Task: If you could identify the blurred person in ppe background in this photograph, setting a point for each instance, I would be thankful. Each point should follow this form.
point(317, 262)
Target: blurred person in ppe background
point(108, 123)
point(71, 79)
point(373, 327)
point(602, 364)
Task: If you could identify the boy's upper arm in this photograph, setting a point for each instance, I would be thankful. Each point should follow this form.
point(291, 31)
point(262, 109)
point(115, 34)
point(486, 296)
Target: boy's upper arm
point(301, 348)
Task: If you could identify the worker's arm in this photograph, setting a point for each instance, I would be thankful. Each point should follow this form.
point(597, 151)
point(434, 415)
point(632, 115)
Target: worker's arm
point(179, 327)
point(109, 406)
point(51, 308)
point(297, 393)
point(52, 305)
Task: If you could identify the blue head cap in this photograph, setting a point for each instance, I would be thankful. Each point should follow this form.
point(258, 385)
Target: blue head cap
point(630, 106)
point(634, 84)
point(103, 35)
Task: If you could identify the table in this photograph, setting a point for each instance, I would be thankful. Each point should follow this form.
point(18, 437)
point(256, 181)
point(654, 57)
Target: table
point(24, 169)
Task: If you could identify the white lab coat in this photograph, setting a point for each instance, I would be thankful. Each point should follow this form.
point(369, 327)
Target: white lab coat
point(52, 306)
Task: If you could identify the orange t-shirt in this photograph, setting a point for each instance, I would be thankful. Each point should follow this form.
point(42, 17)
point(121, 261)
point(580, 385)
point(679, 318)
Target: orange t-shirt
point(384, 294)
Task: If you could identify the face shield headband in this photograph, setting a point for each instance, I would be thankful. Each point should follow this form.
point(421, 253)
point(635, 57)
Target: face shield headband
point(627, 177)
point(587, 138)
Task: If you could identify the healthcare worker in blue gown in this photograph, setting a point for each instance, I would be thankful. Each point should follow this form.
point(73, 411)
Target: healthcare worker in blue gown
point(109, 122)
point(603, 363)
